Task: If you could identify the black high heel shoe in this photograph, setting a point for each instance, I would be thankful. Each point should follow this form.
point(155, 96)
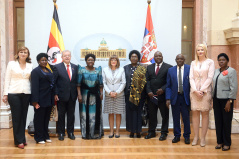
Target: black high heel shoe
point(218, 146)
point(225, 149)
point(131, 135)
point(111, 136)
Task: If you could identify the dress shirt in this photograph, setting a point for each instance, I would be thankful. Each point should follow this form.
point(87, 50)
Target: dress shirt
point(17, 80)
point(156, 65)
point(69, 68)
point(182, 69)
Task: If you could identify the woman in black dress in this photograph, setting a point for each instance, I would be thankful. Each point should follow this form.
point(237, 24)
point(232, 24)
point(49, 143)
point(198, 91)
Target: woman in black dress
point(134, 94)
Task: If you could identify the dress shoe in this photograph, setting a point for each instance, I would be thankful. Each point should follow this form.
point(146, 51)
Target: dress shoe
point(131, 135)
point(138, 135)
point(111, 136)
point(41, 142)
point(150, 135)
point(163, 137)
point(187, 140)
point(219, 146)
point(20, 146)
point(61, 137)
point(203, 143)
point(71, 136)
point(195, 141)
point(25, 144)
point(117, 136)
point(176, 139)
point(225, 149)
point(48, 140)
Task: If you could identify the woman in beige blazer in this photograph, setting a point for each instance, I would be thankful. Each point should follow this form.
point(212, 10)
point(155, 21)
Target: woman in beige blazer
point(114, 84)
point(17, 92)
point(224, 93)
point(201, 74)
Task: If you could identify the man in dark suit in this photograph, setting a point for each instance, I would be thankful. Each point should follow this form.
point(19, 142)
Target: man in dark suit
point(65, 75)
point(177, 94)
point(156, 76)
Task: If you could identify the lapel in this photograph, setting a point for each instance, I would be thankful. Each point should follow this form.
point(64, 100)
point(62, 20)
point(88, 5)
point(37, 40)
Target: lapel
point(63, 68)
point(73, 71)
point(115, 74)
point(42, 75)
point(175, 73)
point(127, 72)
point(185, 72)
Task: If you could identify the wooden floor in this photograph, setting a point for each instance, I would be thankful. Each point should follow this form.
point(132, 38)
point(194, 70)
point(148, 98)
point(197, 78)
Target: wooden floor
point(124, 147)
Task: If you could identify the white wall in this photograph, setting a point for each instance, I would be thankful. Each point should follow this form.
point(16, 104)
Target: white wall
point(82, 21)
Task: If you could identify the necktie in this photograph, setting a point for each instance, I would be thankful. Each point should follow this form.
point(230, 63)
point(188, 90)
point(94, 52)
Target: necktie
point(157, 70)
point(180, 89)
point(68, 71)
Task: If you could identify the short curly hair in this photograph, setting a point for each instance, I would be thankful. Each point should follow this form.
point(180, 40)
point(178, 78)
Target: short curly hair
point(89, 55)
point(40, 55)
point(224, 55)
point(134, 52)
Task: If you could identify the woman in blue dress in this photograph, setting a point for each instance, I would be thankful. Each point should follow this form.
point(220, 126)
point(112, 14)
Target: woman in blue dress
point(90, 95)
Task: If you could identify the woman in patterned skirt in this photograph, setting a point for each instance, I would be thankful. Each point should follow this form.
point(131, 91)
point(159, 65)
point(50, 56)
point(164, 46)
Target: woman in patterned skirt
point(114, 84)
point(90, 95)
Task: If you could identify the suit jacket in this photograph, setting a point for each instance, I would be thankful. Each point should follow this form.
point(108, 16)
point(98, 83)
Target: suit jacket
point(114, 83)
point(41, 88)
point(172, 85)
point(64, 87)
point(226, 85)
point(157, 82)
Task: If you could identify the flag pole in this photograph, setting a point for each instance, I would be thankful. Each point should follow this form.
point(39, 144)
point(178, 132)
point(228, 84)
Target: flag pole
point(54, 1)
point(149, 1)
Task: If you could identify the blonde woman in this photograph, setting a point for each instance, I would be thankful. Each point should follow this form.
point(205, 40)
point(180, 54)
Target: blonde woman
point(17, 92)
point(201, 74)
point(114, 84)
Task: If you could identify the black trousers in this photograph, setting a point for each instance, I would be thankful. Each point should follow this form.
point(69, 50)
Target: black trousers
point(41, 122)
point(223, 121)
point(164, 111)
point(66, 107)
point(19, 104)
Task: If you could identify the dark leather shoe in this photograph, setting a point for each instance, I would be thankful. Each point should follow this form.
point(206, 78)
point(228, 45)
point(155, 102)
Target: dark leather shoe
point(219, 146)
point(176, 139)
point(111, 136)
point(138, 135)
point(117, 136)
point(187, 140)
point(225, 149)
point(163, 137)
point(61, 137)
point(150, 135)
point(131, 135)
point(71, 136)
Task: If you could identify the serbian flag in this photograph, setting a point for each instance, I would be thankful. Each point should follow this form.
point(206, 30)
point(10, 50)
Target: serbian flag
point(55, 44)
point(149, 42)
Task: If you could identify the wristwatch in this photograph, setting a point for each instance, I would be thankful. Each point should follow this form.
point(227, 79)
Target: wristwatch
point(230, 100)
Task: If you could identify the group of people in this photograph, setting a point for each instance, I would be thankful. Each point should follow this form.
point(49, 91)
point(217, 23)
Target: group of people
point(127, 89)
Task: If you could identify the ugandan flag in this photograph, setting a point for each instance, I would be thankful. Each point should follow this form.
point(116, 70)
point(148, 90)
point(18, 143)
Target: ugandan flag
point(55, 44)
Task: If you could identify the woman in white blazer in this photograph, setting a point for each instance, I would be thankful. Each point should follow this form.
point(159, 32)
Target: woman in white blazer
point(17, 92)
point(114, 84)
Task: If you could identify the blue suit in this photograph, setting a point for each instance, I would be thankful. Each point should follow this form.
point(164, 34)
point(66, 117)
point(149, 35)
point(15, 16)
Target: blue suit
point(179, 102)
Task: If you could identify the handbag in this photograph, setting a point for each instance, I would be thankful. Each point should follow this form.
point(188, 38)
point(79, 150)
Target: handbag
point(144, 115)
point(30, 128)
point(54, 114)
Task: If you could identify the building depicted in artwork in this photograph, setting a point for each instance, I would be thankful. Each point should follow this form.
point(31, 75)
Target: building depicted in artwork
point(103, 51)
